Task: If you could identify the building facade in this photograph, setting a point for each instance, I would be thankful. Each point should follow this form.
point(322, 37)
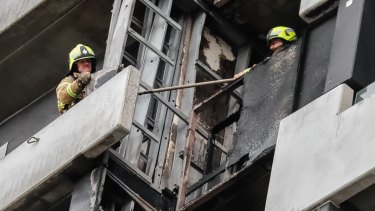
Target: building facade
point(293, 134)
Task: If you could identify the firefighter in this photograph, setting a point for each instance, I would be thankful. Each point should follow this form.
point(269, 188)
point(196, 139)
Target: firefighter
point(279, 37)
point(72, 88)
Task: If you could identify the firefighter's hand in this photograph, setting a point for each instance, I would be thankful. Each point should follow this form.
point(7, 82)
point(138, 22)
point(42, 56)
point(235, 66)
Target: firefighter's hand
point(84, 78)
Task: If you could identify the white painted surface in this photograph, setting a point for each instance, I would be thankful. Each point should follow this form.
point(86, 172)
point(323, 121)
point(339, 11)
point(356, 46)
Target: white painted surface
point(322, 153)
point(89, 128)
point(11, 10)
point(311, 4)
point(3, 150)
point(216, 50)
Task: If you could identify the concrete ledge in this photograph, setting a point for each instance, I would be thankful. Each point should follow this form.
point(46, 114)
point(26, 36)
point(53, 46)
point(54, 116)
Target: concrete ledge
point(21, 20)
point(89, 128)
point(324, 152)
point(11, 11)
point(311, 10)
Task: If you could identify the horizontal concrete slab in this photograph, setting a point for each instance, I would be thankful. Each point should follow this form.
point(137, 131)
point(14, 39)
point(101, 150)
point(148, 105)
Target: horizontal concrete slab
point(88, 129)
point(311, 10)
point(324, 151)
point(37, 43)
point(11, 11)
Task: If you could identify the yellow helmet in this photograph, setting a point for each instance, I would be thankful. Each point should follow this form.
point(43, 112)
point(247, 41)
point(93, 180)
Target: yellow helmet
point(78, 53)
point(281, 32)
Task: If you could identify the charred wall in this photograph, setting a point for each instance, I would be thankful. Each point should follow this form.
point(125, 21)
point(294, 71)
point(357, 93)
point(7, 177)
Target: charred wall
point(268, 96)
point(218, 60)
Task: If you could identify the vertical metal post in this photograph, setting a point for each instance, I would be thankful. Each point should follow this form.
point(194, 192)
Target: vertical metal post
point(117, 34)
point(188, 96)
point(243, 60)
point(148, 19)
point(186, 161)
point(115, 14)
point(149, 69)
point(166, 115)
point(167, 147)
point(209, 154)
point(3, 150)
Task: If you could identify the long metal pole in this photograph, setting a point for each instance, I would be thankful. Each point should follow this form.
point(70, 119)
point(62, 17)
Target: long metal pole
point(237, 76)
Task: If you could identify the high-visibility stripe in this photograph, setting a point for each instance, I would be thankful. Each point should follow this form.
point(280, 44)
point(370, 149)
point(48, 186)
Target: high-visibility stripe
point(60, 105)
point(70, 92)
point(247, 70)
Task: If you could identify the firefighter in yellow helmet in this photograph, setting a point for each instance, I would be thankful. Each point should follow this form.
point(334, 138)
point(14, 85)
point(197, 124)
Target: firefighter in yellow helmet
point(280, 36)
point(72, 88)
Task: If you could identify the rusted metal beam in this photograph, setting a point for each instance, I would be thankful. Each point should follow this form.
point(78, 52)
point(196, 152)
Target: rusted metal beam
point(186, 97)
point(186, 163)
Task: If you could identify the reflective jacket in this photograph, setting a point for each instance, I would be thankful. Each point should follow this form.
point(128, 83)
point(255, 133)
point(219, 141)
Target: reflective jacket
point(69, 92)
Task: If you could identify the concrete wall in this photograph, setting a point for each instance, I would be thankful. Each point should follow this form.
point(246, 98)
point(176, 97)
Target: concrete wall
point(29, 121)
point(11, 11)
point(324, 151)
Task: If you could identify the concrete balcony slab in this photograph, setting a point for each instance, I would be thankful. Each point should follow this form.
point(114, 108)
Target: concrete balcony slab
point(89, 128)
point(324, 152)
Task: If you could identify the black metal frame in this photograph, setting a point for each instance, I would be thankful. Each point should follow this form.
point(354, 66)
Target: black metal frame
point(134, 185)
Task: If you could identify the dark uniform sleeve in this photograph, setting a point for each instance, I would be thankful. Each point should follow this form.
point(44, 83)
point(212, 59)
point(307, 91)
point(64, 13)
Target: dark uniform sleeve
point(67, 91)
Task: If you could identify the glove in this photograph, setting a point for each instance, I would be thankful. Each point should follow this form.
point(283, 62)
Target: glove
point(84, 78)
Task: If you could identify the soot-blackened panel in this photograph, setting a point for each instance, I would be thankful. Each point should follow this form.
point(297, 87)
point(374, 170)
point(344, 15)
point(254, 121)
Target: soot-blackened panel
point(317, 51)
point(268, 96)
